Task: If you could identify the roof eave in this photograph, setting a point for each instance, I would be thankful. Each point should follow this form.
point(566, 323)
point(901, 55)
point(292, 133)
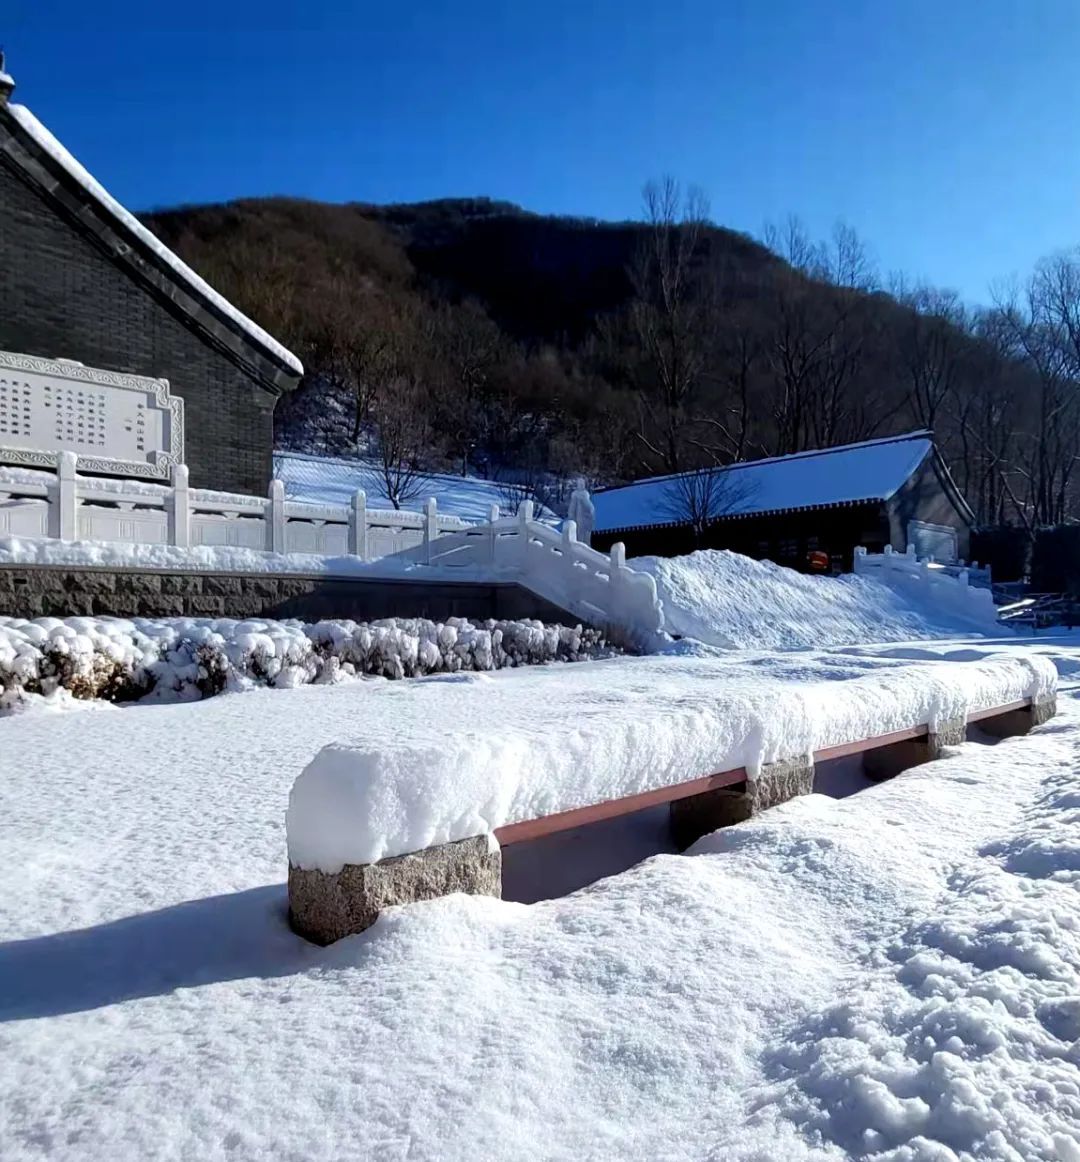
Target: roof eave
point(122, 245)
point(733, 516)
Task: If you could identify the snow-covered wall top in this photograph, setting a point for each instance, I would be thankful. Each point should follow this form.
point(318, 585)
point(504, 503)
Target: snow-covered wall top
point(329, 480)
point(873, 470)
point(466, 762)
point(93, 187)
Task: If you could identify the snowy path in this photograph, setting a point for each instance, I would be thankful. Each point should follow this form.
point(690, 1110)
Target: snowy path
point(894, 975)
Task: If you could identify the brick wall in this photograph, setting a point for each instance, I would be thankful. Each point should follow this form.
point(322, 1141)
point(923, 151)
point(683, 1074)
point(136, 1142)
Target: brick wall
point(53, 591)
point(62, 295)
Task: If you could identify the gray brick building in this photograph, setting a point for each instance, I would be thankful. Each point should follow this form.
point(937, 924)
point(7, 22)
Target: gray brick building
point(82, 279)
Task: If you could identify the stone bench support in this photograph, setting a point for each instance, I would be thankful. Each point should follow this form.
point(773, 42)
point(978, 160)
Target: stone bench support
point(884, 762)
point(1020, 721)
point(324, 907)
point(699, 815)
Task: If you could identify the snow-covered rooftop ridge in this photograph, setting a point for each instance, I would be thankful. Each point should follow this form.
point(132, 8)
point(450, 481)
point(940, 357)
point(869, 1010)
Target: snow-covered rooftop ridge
point(198, 285)
point(846, 474)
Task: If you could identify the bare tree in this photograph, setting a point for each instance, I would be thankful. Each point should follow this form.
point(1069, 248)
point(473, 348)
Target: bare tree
point(844, 259)
point(667, 314)
point(980, 417)
point(933, 347)
point(820, 325)
point(469, 348)
point(1034, 326)
point(405, 439)
point(704, 495)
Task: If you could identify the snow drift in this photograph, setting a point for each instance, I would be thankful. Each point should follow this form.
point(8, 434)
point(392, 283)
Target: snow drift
point(727, 600)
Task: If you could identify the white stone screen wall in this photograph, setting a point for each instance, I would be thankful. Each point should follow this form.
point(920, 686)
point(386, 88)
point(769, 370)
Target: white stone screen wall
point(125, 424)
point(934, 542)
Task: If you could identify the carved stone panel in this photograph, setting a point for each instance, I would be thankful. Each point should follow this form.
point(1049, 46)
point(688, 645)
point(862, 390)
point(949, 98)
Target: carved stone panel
point(124, 424)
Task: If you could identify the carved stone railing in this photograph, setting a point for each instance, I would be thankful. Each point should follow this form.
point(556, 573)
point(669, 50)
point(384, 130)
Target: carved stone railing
point(65, 506)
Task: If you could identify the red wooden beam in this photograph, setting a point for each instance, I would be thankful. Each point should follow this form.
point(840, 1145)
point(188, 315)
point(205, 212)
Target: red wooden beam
point(612, 808)
point(595, 812)
point(994, 711)
point(861, 745)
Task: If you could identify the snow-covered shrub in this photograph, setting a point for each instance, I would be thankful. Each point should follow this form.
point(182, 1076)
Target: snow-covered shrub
point(189, 658)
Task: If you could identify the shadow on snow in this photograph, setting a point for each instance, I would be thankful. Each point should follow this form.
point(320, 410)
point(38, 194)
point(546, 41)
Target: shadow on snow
point(199, 942)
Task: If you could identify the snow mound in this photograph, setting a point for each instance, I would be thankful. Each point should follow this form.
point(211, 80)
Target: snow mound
point(725, 599)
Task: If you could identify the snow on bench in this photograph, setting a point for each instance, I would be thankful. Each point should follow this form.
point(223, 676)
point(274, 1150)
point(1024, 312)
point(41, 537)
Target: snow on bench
point(373, 823)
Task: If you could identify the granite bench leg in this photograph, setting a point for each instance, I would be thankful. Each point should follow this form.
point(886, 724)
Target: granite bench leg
point(884, 762)
point(325, 907)
point(699, 815)
point(1022, 720)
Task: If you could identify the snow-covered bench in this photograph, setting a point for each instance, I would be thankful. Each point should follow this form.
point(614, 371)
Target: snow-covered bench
point(372, 827)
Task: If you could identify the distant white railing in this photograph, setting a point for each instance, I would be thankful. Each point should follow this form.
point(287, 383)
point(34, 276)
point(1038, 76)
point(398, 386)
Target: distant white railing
point(599, 588)
point(961, 589)
point(65, 506)
point(908, 562)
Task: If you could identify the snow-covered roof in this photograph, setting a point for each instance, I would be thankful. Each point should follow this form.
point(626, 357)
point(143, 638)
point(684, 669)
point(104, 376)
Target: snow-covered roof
point(198, 286)
point(872, 470)
point(328, 480)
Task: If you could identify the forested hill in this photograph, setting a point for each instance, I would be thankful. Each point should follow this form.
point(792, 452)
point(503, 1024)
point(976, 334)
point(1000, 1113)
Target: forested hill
point(473, 333)
point(543, 279)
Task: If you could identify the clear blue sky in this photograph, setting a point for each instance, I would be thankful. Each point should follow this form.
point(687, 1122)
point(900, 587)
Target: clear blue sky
point(946, 132)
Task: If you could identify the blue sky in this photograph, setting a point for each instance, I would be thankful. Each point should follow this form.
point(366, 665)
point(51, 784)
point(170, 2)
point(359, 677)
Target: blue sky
point(947, 133)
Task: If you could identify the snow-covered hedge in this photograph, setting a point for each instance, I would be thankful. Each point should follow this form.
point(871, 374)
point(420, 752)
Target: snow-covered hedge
point(189, 658)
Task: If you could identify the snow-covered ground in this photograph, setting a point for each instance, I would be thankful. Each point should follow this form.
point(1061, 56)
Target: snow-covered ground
point(892, 976)
point(208, 558)
point(331, 480)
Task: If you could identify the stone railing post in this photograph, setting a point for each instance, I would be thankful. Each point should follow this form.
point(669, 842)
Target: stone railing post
point(492, 535)
point(431, 526)
point(275, 518)
point(179, 516)
point(358, 525)
point(582, 512)
point(569, 546)
point(617, 560)
point(63, 512)
point(525, 517)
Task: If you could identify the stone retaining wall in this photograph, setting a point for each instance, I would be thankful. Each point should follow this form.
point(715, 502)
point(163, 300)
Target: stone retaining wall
point(64, 591)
